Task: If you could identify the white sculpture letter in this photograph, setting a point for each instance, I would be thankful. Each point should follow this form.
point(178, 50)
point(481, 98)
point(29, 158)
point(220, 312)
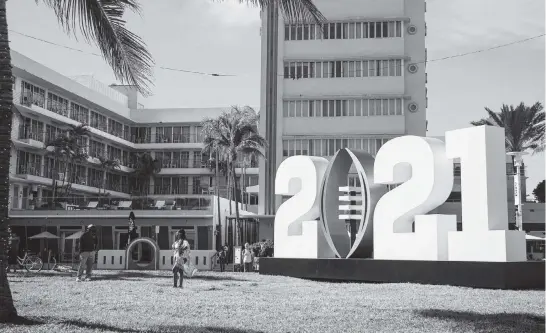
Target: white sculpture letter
point(427, 176)
point(296, 231)
point(485, 235)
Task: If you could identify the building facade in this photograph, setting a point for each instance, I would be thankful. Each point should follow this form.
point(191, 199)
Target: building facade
point(47, 105)
point(357, 81)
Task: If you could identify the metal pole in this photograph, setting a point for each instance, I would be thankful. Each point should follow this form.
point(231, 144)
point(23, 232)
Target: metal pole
point(518, 162)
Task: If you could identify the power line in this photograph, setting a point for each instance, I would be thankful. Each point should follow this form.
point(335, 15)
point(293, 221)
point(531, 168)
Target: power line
point(328, 74)
point(99, 55)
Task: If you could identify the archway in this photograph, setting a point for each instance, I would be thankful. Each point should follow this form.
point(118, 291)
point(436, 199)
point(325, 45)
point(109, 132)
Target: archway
point(152, 265)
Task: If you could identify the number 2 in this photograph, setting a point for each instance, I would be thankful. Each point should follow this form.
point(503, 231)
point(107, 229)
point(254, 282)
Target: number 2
point(427, 176)
point(296, 232)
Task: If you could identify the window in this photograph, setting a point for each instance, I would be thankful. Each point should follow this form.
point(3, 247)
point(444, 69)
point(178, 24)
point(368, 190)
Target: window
point(57, 104)
point(98, 121)
point(31, 94)
point(79, 113)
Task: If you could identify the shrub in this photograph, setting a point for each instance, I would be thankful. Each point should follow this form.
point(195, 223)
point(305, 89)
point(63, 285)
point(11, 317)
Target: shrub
point(263, 248)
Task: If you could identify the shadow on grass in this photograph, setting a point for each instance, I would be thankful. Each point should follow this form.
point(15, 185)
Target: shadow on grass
point(30, 321)
point(499, 322)
point(143, 275)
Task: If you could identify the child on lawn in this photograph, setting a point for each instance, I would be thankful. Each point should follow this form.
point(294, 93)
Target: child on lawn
point(181, 253)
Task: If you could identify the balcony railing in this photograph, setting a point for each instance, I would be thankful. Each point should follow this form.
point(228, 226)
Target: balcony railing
point(29, 98)
point(112, 203)
point(27, 133)
point(59, 108)
point(183, 163)
point(33, 169)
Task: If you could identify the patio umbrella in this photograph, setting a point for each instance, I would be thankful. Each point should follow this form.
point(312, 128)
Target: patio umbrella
point(75, 236)
point(45, 235)
point(531, 237)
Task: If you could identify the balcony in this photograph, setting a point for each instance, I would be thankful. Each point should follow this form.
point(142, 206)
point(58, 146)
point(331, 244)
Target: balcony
point(162, 140)
point(101, 207)
point(59, 108)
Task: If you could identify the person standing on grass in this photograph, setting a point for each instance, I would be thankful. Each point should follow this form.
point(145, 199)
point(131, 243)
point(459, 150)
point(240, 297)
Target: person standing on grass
point(248, 256)
point(181, 248)
point(222, 256)
point(88, 246)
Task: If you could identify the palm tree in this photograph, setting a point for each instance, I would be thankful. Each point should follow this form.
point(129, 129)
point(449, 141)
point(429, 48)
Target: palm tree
point(99, 21)
point(146, 167)
point(232, 135)
point(67, 150)
point(107, 164)
point(523, 131)
point(523, 126)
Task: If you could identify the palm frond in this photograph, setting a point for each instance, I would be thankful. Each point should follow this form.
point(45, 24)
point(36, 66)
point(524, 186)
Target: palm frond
point(291, 10)
point(523, 126)
point(101, 21)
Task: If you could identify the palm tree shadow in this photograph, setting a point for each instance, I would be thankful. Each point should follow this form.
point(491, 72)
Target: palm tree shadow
point(158, 329)
point(481, 322)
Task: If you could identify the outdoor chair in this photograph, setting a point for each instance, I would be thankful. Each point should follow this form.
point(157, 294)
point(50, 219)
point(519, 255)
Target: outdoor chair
point(91, 205)
point(159, 204)
point(125, 204)
point(169, 204)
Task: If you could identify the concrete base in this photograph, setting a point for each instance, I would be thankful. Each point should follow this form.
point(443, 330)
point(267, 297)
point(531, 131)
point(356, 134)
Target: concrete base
point(492, 275)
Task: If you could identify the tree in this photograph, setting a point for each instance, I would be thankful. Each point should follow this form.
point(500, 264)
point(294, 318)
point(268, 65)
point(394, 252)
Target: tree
point(233, 135)
point(523, 126)
point(146, 167)
point(67, 150)
point(101, 22)
point(107, 164)
point(539, 192)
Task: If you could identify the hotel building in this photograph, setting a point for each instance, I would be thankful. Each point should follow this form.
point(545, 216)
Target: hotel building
point(356, 82)
point(180, 195)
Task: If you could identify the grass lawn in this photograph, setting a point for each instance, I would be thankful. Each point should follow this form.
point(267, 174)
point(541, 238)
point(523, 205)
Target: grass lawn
point(247, 303)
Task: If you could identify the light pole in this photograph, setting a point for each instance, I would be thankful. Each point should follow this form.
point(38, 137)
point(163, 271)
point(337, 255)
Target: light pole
point(517, 157)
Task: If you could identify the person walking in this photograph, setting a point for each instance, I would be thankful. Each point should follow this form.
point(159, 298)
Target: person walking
point(88, 246)
point(248, 256)
point(181, 248)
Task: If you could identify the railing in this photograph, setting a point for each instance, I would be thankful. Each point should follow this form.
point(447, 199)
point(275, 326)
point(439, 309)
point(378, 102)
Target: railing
point(182, 164)
point(33, 169)
point(59, 108)
point(112, 203)
point(29, 98)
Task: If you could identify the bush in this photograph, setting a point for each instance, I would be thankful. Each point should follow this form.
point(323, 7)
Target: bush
point(263, 248)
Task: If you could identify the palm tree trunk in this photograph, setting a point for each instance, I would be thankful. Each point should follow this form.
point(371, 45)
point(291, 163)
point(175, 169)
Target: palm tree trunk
point(236, 198)
point(7, 309)
point(217, 174)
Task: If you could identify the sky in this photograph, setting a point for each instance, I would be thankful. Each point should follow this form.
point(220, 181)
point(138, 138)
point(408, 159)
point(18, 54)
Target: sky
point(212, 37)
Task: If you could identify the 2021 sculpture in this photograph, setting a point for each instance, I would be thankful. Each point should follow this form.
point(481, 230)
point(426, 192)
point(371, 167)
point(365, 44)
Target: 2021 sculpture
point(395, 228)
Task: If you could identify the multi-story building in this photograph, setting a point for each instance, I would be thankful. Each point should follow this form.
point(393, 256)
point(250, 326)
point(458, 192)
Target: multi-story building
point(181, 195)
point(357, 81)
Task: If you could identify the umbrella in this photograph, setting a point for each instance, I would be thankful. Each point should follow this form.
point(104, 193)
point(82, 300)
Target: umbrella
point(73, 237)
point(531, 237)
point(76, 235)
point(44, 235)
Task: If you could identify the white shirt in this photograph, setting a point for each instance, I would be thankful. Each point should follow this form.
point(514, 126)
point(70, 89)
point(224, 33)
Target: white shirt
point(247, 256)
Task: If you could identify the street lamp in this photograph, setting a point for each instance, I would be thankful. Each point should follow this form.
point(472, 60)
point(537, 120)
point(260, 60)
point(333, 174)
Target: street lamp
point(517, 157)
